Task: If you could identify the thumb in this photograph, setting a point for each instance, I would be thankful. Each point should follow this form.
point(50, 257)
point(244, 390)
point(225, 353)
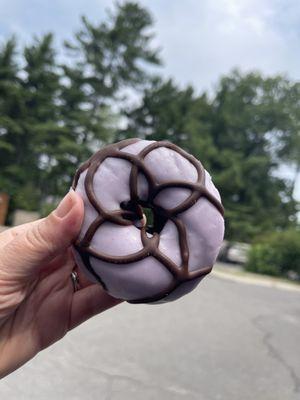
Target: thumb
point(40, 241)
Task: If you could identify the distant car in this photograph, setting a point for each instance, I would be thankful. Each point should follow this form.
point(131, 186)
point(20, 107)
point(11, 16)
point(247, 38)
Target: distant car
point(234, 252)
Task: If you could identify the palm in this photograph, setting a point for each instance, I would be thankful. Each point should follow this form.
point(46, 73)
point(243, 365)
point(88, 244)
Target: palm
point(38, 304)
point(45, 313)
point(44, 316)
point(39, 311)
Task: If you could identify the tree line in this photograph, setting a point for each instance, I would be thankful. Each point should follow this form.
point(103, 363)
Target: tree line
point(56, 111)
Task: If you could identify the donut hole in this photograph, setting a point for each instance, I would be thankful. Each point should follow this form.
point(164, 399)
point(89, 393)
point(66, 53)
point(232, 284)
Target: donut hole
point(143, 214)
point(149, 216)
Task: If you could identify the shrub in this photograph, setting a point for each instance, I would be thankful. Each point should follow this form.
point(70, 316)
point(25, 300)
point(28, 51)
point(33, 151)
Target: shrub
point(276, 254)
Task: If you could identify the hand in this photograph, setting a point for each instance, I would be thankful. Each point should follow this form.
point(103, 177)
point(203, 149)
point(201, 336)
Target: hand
point(38, 305)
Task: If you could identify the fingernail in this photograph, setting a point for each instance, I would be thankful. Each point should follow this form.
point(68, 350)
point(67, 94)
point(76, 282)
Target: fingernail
point(65, 205)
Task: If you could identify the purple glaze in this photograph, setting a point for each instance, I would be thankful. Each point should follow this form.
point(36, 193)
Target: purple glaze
point(203, 222)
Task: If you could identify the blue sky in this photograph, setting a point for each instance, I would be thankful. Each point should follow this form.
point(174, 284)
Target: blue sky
point(200, 39)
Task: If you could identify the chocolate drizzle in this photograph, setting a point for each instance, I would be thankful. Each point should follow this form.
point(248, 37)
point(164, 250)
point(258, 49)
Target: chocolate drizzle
point(133, 209)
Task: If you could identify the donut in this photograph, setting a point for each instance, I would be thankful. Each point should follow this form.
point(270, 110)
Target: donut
point(153, 220)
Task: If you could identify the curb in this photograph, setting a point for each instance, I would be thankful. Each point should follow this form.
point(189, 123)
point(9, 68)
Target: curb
point(256, 280)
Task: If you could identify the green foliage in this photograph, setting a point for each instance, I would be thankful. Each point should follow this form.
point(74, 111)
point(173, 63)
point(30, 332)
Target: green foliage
point(276, 254)
point(113, 54)
point(53, 115)
point(238, 134)
point(163, 113)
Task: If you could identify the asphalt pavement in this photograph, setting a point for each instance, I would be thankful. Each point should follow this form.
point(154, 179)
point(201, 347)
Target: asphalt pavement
point(226, 340)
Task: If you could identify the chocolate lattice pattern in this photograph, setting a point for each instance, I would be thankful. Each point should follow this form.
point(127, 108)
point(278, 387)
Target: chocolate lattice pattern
point(133, 210)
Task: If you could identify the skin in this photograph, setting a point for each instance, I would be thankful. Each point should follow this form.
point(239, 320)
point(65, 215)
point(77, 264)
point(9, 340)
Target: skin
point(38, 305)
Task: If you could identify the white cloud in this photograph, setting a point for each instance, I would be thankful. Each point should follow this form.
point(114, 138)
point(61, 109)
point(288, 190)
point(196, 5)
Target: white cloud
point(202, 40)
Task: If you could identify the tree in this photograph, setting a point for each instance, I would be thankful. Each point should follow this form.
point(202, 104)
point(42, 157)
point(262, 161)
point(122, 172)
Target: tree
point(250, 120)
point(163, 112)
point(235, 135)
point(53, 116)
point(41, 122)
point(110, 58)
point(288, 147)
point(29, 117)
point(10, 105)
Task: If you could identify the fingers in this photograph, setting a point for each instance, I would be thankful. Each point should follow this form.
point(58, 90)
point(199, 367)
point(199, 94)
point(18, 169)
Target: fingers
point(42, 240)
point(84, 281)
point(89, 302)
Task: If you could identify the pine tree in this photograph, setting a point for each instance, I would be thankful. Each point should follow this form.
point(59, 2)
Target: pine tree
point(53, 116)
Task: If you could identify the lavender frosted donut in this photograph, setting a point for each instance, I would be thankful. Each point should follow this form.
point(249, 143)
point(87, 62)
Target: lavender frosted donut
point(118, 248)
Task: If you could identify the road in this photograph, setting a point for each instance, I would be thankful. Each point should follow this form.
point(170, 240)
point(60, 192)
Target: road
point(226, 340)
